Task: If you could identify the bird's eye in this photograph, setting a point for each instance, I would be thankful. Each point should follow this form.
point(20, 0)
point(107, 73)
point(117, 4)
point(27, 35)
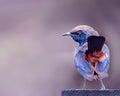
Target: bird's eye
point(75, 33)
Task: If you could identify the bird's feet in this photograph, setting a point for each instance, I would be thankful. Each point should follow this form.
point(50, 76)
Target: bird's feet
point(102, 85)
point(102, 88)
point(84, 84)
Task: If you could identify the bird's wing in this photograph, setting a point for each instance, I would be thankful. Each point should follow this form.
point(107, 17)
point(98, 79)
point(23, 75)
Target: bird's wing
point(83, 66)
point(103, 66)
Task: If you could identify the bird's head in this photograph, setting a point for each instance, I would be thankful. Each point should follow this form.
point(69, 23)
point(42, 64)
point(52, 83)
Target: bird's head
point(81, 33)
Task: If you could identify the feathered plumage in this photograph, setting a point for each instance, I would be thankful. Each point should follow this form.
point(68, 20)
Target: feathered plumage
point(81, 34)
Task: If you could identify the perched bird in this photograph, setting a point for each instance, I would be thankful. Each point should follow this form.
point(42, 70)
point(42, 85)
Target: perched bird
point(92, 56)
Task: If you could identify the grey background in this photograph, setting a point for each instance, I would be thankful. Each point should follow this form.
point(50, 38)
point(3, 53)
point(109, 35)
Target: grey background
point(35, 60)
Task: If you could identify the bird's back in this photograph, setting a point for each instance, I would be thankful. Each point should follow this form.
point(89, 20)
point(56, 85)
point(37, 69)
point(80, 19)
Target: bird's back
point(85, 68)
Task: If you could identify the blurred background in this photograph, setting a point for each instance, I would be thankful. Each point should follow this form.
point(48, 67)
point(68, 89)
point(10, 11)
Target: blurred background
point(35, 60)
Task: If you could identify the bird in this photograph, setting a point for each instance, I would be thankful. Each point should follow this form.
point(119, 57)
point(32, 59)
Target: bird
point(89, 39)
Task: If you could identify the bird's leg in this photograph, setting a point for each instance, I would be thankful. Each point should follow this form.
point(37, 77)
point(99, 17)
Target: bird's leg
point(84, 84)
point(102, 85)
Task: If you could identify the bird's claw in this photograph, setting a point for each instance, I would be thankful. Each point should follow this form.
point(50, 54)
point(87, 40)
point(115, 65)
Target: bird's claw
point(103, 88)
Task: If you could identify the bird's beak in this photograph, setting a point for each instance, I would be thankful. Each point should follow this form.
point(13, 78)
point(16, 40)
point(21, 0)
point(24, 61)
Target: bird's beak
point(66, 34)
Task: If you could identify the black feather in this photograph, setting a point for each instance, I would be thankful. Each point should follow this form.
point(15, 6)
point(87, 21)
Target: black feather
point(95, 43)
